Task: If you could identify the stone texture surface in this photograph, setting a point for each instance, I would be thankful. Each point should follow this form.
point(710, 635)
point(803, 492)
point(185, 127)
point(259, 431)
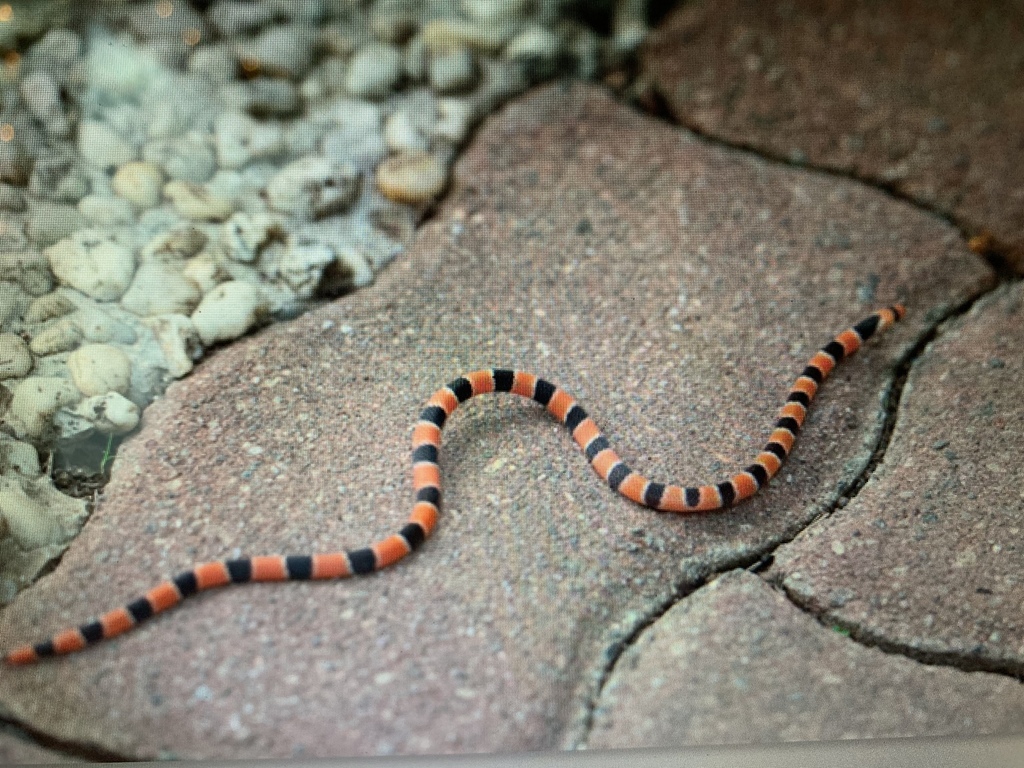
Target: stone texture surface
point(925, 97)
point(736, 662)
point(676, 288)
point(928, 559)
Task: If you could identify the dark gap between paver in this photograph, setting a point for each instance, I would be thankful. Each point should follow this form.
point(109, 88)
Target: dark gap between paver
point(652, 103)
point(78, 752)
point(892, 402)
point(759, 564)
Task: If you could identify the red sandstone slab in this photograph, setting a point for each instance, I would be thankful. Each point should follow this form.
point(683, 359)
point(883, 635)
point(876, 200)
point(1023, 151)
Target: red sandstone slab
point(923, 96)
point(735, 662)
point(675, 288)
point(928, 559)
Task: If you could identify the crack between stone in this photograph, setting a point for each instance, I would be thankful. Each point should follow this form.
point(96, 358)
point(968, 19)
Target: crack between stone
point(79, 752)
point(762, 561)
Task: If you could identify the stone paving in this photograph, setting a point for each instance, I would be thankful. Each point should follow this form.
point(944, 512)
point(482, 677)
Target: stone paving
point(676, 286)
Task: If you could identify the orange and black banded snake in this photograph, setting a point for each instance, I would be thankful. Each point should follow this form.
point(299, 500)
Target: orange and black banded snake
point(426, 479)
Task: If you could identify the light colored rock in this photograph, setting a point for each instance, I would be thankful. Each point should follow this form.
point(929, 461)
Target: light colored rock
point(240, 139)
point(18, 456)
point(452, 71)
point(535, 42)
point(299, 264)
point(402, 135)
point(15, 358)
point(454, 119)
point(412, 177)
point(244, 234)
point(101, 146)
point(313, 187)
point(360, 271)
point(174, 245)
point(179, 341)
point(29, 269)
point(195, 202)
point(139, 182)
point(228, 311)
point(41, 94)
point(97, 369)
point(280, 51)
point(49, 222)
point(442, 35)
point(495, 11)
point(93, 262)
point(106, 210)
point(111, 414)
point(35, 399)
point(28, 520)
point(98, 325)
point(61, 336)
point(159, 289)
point(374, 71)
point(185, 158)
point(215, 62)
point(48, 307)
point(205, 271)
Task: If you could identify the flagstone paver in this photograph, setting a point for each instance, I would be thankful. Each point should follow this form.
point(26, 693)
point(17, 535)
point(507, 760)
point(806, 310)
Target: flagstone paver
point(736, 662)
point(675, 287)
point(924, 96)
point(928, 558)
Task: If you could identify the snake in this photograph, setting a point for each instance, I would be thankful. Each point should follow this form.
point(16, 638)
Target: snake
point(426, 481)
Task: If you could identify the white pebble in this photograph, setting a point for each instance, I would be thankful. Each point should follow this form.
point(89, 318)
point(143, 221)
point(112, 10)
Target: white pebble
point(374, 71)
point(111, 414)
point(240, 139)
point(159, 289)
point(495, 11)
point(454, 119)
point(35, 399)
point(452, 71)
point(179, 341)
point(139, 182)
point(402, 135)
point(313, 187)
point(101, 146)
point(186, 158)
point(93, 262)
point(411, 177)
point(229, 311)
point(441, 35)
point(97, 369)
point(106, 210)
point(535, 42)
point(61, 336)
point(15, 358)
point(173, 245)
point(197, 203)
point(30, 524)
point(244, 234)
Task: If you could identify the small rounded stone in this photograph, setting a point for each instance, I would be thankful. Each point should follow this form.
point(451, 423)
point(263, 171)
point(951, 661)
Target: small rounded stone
point(374, 71)
point(229, 311)
point(15, 358)
point(111, 414)
point(453, 71)
point(139, 182)
point(194, 202)
point(97, 369)
point(412, 177)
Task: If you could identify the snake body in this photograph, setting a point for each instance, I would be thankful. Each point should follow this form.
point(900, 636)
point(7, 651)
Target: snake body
point(426, 479)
